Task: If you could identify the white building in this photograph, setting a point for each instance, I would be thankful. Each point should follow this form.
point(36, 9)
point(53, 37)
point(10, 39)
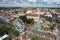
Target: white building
point(29, 11)
point(4, 36)
point(21, 13)
point(34, 16)
point(48, 14)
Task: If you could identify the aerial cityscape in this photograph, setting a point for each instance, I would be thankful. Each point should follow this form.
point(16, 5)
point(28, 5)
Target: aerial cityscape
point(29, 20)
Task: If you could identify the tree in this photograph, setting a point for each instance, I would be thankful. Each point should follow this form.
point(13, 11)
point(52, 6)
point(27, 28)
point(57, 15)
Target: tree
point(8, 38)
point(2, 21)
point(23, 18)
point(52, 26)
point(14, 32)
point(8, 30)
point(48, 18)
point(30, 21)
point(16, 12)
point(4, 30)
point(58, 20)
point(34, 37)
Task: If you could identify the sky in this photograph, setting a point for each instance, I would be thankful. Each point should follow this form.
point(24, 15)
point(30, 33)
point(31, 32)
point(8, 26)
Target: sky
point(30, 3)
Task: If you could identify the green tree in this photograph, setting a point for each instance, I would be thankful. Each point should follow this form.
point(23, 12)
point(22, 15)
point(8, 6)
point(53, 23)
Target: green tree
point(34, 37)
point(58, 20)
point(4, 30)
point(8, 38)
point(14, 32)
point(16, 12)
point(2, 21)
point(52, 26)
point(23, 18)
point(8, 30)
point(30, 21)
point(48, 18)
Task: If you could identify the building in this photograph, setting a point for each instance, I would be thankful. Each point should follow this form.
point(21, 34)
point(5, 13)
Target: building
point(21, 14)
point(29, 11)
point(4, 36)
point(2, 13)
point(34, 16)
point(58, 14)
point(48, 14)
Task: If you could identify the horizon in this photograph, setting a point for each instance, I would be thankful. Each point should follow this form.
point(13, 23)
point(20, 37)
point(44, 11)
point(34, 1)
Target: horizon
point(30, 3)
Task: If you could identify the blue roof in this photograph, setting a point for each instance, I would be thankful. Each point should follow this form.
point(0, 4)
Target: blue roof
point(6, 17)
point(2, 18)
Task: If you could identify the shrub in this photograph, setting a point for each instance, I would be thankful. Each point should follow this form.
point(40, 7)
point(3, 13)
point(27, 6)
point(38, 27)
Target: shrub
point(8, 38)
point(48, 19)
point(13, 31)
point(34, 37)
point(4, 30)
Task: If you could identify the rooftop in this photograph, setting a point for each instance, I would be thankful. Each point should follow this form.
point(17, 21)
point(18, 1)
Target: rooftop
point(33, 15)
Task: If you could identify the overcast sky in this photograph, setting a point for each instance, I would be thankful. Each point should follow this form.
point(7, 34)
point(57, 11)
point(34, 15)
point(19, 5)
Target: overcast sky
point(30, 3)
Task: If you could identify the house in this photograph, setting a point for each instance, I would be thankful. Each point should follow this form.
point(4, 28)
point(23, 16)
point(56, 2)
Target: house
point(48, 14)
point(34, 16)
point(2, 13)
point(58, 14)
point(14, 15)
point(21, 14)
point(29, 11)
point(39, 12)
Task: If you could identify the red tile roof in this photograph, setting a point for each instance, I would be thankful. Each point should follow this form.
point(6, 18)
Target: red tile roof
point(33, 15)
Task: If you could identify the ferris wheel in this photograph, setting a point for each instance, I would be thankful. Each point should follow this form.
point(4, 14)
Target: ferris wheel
point(19, 25)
